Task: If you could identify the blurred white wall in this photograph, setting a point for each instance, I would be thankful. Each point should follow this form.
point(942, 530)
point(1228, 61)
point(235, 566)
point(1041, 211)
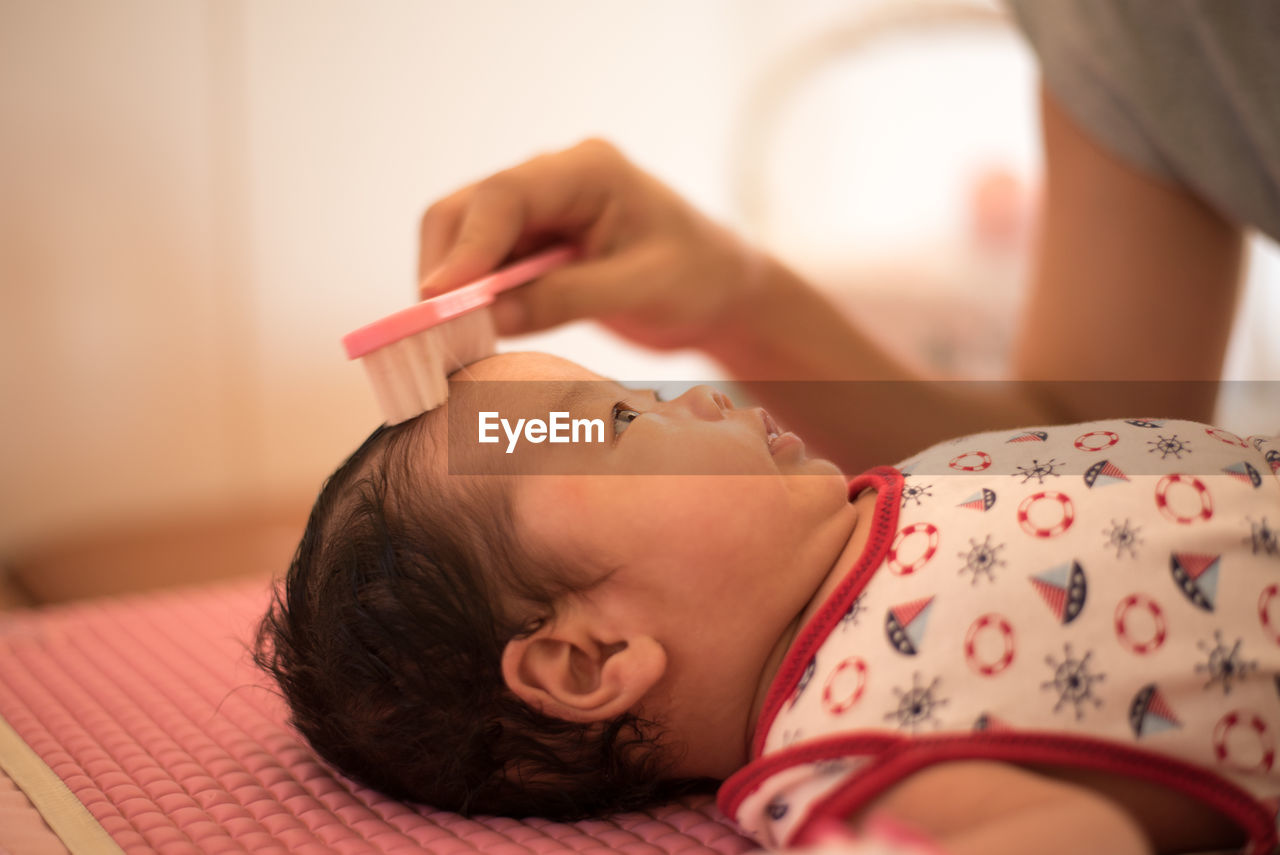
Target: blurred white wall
point(199, 197)
point(356, 116)
point(117, 324)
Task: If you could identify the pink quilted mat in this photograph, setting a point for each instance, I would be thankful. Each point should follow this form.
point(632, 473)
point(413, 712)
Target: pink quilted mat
point(150, 711)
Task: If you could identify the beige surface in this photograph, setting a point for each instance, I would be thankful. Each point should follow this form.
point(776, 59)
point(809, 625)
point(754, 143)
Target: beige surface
point(38, 814)
point(201, 196)
point(22, 830)
point(164, 551)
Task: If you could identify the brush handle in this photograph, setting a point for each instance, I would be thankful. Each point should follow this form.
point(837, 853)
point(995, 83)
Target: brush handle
point(436, 310)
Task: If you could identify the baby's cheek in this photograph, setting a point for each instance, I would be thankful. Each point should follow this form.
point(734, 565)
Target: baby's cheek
point(551, 506)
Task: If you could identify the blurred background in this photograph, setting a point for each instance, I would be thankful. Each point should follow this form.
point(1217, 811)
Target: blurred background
point(199, 197)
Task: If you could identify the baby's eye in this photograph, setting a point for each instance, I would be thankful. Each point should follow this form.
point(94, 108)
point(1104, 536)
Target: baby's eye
point(623, 415)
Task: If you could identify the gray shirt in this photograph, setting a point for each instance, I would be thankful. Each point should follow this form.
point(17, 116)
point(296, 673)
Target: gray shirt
point(1186, 90)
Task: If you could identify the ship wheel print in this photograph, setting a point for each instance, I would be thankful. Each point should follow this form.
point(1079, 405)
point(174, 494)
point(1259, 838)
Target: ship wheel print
point(856, 609)
point(916, 705)
point(1263, 539)
point(915, 493)
point(1169, 446)
point(1073, 681)
point(1039, 470)
point(981, 559)
point(1225, 666)
point(1123, 537)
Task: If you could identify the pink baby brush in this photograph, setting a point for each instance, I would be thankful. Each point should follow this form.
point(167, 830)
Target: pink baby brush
point(410, 354)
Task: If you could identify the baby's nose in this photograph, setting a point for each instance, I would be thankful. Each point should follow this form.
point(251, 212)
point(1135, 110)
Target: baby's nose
point(706, 402)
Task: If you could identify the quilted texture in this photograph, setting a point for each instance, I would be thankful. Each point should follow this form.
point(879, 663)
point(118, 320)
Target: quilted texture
point(151, 712)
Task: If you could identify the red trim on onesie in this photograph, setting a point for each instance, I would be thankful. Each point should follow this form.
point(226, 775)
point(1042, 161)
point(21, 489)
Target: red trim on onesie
point(820, 770)
point(897, 757)
point(884, 521)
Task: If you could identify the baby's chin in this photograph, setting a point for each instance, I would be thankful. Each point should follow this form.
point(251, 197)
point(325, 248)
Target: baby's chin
point(819, 467)
point(822, 466)
point(818, 483)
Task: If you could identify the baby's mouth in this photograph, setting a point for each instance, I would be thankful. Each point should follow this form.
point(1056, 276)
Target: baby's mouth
point(771, 429)
point(775, 437)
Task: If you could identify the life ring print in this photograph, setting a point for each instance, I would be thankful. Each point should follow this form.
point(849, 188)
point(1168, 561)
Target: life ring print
point(923, 539)
point(1149, 641)
point(1270, 624)
point(845, 685)
point(1239, 750)
point(984, 663)
point(1096, 440)
point(1226, 436)
point(1056, 506)
point(971, 461)
point(1186, 512)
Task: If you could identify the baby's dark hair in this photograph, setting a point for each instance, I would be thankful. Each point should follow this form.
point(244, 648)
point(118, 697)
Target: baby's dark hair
point(386, 635)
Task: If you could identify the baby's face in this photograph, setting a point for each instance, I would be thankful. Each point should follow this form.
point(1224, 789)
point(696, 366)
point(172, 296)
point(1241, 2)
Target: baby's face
point(698, 433)
point(645, 463)
point(709, 535)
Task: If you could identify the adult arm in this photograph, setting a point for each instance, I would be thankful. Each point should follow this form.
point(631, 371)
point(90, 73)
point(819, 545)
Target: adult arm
point(982, 807)
point(1134, 280)
point(986, 808)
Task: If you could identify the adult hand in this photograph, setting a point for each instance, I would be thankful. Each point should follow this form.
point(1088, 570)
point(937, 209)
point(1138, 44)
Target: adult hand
point(652, 268)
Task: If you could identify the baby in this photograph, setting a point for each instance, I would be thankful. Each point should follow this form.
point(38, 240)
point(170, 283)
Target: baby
point(1052, 640)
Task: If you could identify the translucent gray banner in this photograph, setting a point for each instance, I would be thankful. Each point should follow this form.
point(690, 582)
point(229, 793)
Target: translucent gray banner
point(690, 428)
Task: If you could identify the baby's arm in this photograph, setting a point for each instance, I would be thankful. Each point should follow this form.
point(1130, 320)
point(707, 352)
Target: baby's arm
point(979, 807)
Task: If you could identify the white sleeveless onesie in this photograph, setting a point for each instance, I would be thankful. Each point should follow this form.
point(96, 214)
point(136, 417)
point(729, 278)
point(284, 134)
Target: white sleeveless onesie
point(1104, 595)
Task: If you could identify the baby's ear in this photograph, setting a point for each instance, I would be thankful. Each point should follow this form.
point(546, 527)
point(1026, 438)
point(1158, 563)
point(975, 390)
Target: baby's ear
point(567, 671)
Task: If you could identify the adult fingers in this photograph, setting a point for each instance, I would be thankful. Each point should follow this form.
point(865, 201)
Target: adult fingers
point(489, 223)
point(555, 196)
point(438, 230)
point(590, 289)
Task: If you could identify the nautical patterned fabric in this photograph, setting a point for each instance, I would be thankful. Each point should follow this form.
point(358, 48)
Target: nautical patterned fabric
point(1102, 595)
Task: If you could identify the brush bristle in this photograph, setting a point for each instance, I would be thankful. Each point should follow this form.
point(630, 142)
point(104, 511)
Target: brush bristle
point(411, 376)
